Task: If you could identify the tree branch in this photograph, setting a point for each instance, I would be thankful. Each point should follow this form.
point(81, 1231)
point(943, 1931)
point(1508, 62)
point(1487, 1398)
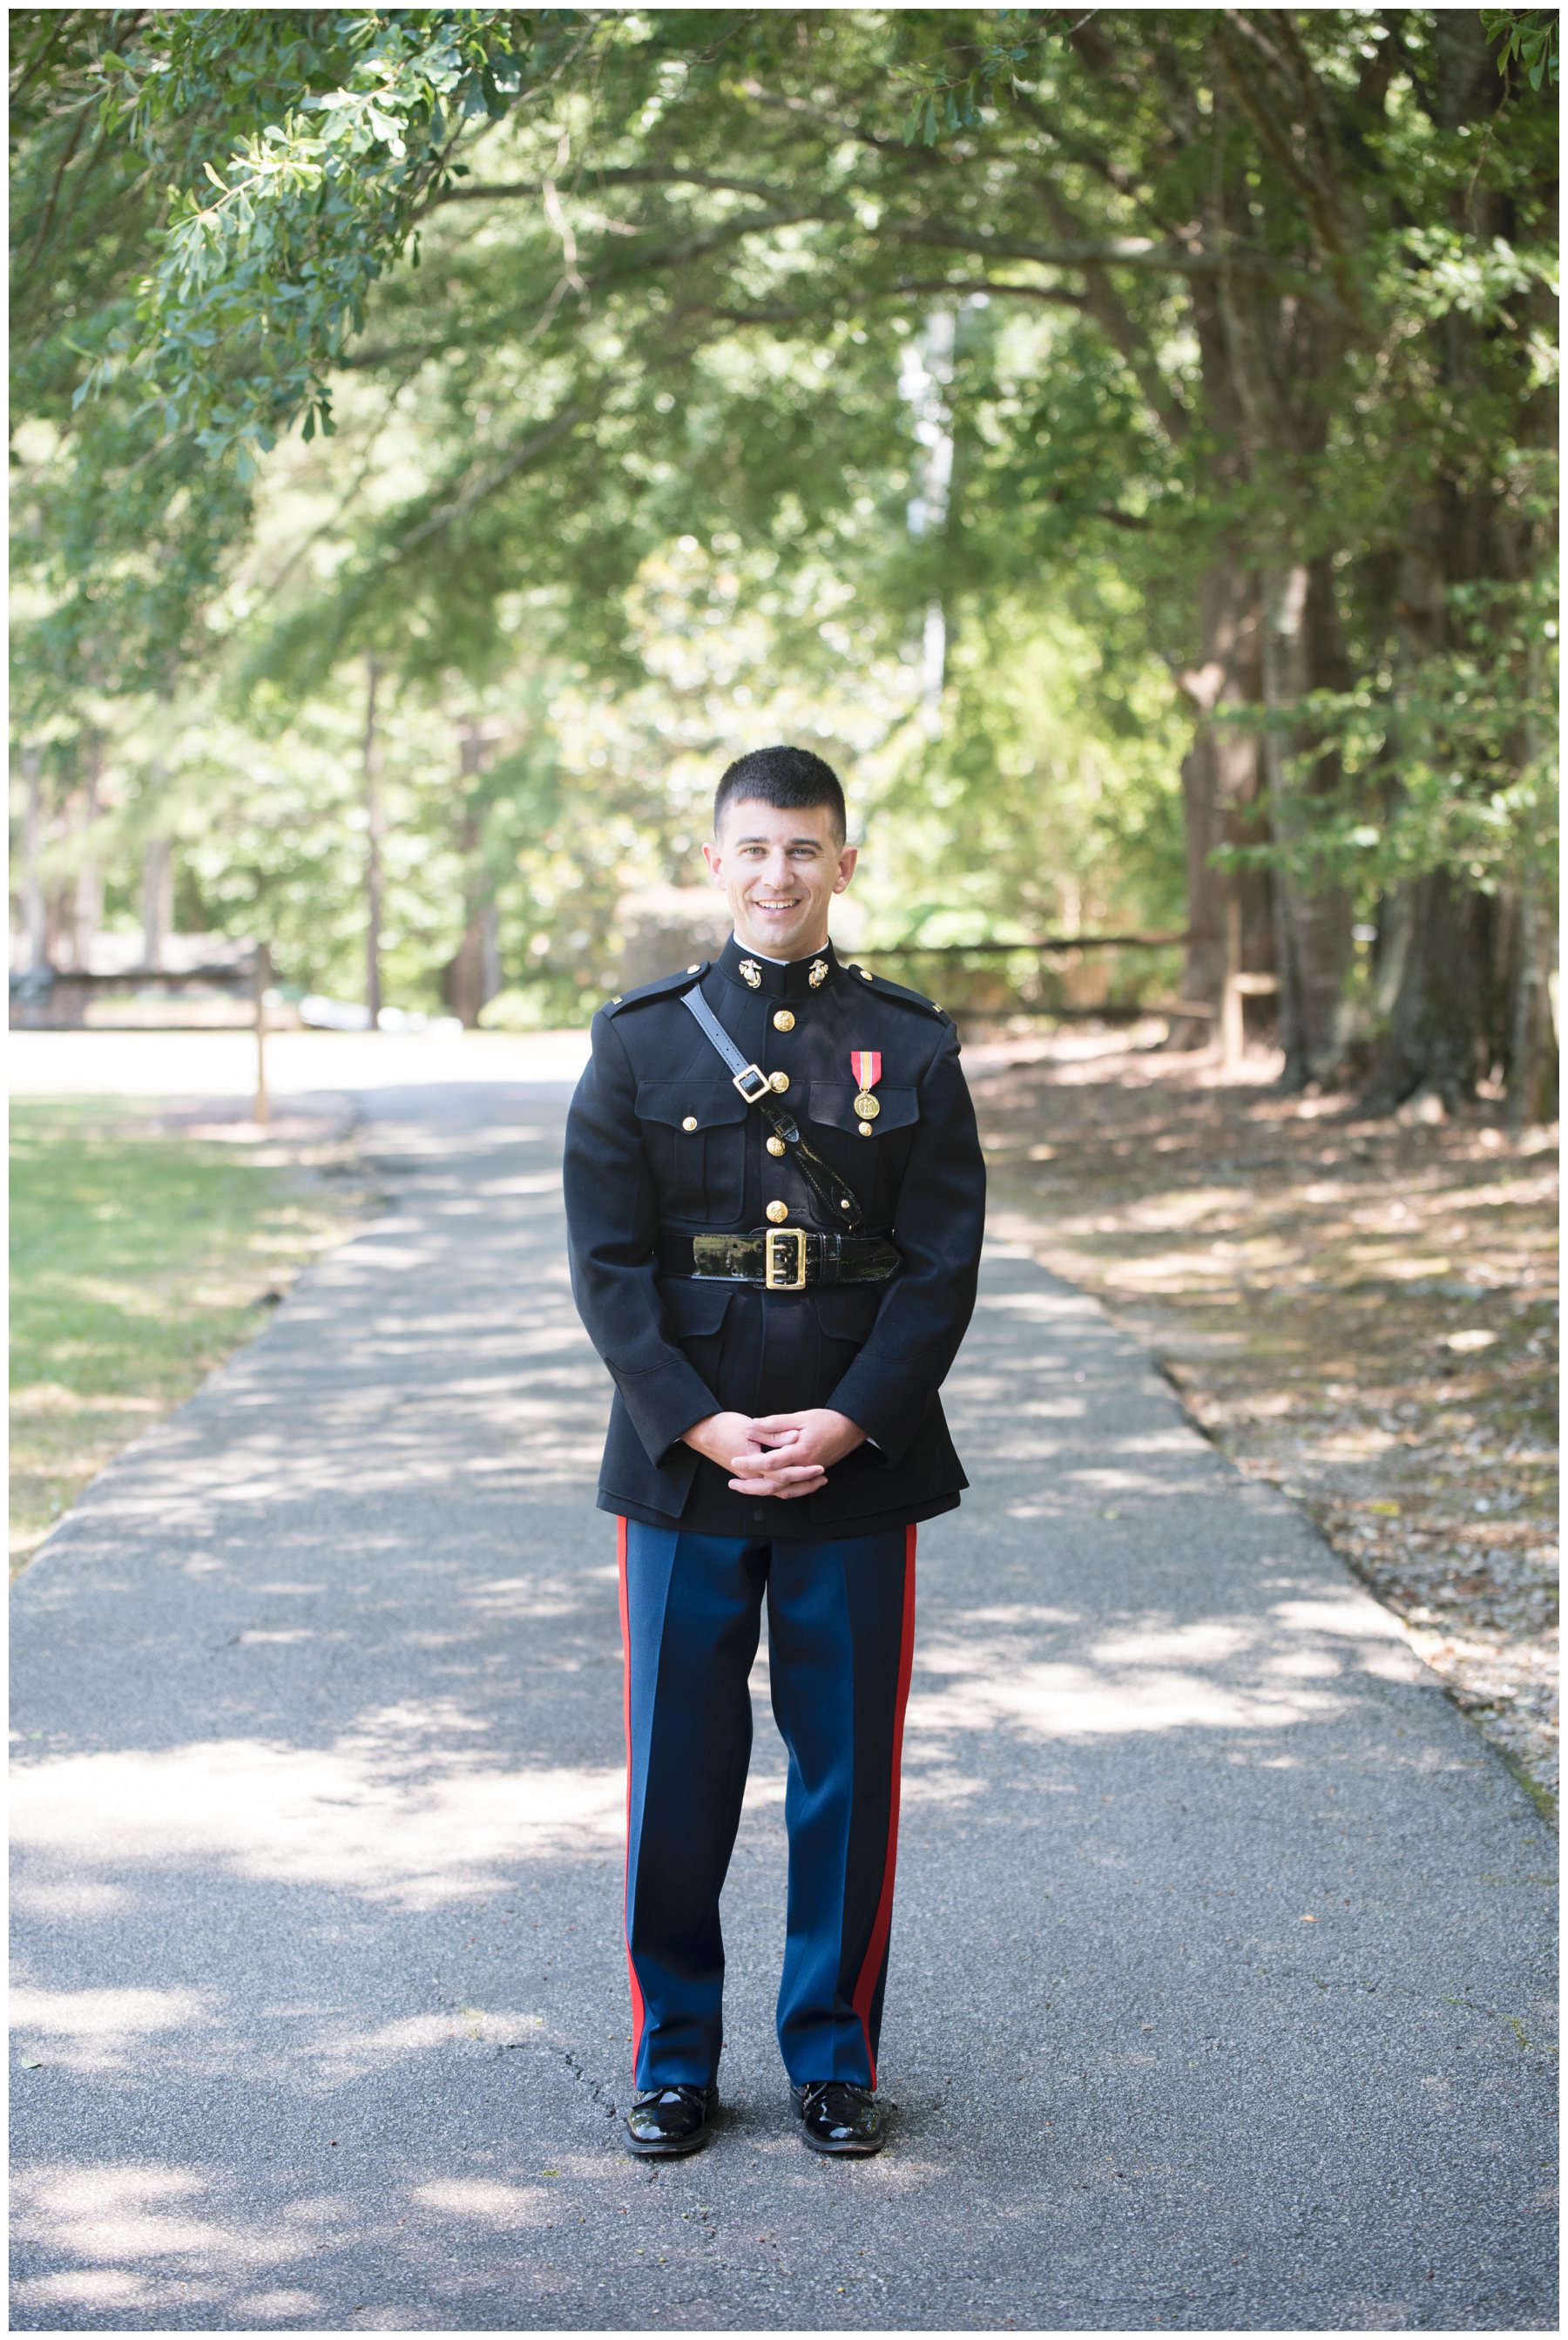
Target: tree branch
point(518, 459)
point(1115, 320)
point(1288, 91)
point(706, 239)
point(1058, 295)
point(840, 129)
point(1110, 251)
point(627, 174)
point(830, 303)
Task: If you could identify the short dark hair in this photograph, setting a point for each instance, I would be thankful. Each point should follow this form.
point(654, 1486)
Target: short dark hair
point(791, 779)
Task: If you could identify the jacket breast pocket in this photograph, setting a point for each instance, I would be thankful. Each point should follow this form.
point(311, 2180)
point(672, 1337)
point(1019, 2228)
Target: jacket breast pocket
point(694, 1135)
point(868, 1150)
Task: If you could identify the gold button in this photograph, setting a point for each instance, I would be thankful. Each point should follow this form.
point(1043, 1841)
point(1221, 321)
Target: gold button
point(865, 1129)
point(865, 975)
point(776, 1211)
point(779, 1081)
point(695, 970)
point(690, 1122)
point(774, 1145)
point(843, 1206)
point(783, 1021)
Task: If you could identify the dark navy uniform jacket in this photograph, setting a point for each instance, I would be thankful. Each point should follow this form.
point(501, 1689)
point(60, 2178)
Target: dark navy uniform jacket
point(661, 1144)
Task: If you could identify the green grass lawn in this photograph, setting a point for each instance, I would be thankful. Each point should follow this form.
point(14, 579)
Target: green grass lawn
point(139, 1259)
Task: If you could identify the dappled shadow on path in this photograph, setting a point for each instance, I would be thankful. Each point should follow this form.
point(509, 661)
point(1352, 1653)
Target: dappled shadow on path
point(319, 1811)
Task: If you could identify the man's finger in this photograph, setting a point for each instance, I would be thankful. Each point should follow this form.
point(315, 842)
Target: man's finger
point(796, 1482)
point(778, 1494)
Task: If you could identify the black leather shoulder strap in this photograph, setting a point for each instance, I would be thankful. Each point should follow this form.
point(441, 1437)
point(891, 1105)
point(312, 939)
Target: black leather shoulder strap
point(719, 1038)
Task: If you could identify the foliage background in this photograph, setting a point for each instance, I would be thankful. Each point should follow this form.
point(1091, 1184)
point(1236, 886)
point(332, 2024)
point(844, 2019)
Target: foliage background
point(1123, 442)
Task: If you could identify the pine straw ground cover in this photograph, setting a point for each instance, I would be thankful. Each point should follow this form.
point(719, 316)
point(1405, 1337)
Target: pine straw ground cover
point(1362, 1312)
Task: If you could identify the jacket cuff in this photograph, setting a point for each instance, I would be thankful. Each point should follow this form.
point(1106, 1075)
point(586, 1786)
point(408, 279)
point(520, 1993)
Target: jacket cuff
point(879, 1398)
point(664, 1403)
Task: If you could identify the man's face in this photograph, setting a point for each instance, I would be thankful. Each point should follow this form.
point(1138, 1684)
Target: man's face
point(779, 871)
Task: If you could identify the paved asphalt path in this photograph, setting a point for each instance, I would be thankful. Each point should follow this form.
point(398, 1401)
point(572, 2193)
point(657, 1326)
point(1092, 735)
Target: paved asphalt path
point(1220, 1961)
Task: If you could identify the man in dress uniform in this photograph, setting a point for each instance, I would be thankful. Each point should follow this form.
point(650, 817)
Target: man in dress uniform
point(775, 1197)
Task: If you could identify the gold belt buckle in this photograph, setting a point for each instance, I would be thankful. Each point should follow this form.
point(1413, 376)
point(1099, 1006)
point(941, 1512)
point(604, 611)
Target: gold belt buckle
point(773, 1278)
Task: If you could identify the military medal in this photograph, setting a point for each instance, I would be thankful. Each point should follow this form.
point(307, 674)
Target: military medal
point(866, 1064)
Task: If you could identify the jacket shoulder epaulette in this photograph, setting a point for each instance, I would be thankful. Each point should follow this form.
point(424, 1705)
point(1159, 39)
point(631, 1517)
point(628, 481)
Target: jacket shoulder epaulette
point(881, 989)
point(663, 987)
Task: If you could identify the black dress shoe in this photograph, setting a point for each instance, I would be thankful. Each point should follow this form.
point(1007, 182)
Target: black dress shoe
point(839, 2116)
point(676, 2119)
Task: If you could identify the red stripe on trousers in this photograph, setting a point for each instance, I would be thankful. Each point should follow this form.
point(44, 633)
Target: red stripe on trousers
point(877, 1948)
point(636, 2008)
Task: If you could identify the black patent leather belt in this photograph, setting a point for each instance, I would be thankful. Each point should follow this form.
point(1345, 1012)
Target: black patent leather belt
point(779, 1259)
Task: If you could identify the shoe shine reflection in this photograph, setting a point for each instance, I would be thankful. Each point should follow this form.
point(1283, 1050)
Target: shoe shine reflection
point(676, 2119)
point(839, 2116)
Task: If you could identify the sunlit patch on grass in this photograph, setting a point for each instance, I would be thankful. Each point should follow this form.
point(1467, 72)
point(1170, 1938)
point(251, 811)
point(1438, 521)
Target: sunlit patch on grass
point(140, 1258)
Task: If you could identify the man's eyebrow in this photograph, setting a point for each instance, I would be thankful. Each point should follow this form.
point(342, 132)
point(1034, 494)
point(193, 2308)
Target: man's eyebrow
point(788, 840)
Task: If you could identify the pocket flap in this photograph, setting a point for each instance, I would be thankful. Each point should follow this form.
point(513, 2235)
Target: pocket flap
point(694, 1306)
point(847, 1312)
point(833, 1104)
point(705, 1104)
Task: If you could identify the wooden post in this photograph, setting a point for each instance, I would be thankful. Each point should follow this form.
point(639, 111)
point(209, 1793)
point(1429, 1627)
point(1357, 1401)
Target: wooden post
point(1232, 1025)
point(262, 1113)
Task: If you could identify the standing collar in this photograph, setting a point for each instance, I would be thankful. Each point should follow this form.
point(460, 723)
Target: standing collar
point(791, 980)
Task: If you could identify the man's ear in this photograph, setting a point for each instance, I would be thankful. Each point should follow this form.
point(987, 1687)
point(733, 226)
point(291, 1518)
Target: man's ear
point(714, 857)
point(847, 860)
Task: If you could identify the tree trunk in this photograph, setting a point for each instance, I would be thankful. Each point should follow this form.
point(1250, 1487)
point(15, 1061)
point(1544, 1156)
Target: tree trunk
point(490, 949)
point(88, 912)
point(1223, 795)
point(1312, 923)
point(372, 847)
point(1454, 1011)
point(471, 975)
point(1443, 1008)
point(157, 897)
point(1221, 778)
point(35, 919)
point(1530, 1063)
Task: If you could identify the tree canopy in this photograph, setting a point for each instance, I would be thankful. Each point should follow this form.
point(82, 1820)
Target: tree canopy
point(1128, 436)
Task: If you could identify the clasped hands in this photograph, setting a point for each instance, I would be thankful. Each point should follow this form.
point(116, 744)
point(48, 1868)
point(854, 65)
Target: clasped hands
point(779, 1455)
